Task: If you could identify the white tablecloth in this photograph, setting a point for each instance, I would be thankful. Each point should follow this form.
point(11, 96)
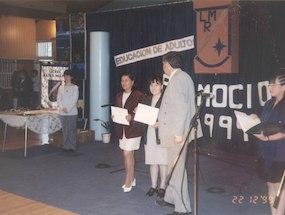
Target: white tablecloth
point(40, 124)
point(39, 121)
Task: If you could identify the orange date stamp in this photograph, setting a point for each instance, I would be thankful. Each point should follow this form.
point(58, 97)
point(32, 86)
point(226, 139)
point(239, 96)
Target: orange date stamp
point(254, 199)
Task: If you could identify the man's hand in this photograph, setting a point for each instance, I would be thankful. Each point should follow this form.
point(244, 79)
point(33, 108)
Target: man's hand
point(178, 139)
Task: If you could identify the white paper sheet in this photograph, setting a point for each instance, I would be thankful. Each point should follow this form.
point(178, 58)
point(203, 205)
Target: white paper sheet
point(146, 114)
point(246, 121)
point(119, 115)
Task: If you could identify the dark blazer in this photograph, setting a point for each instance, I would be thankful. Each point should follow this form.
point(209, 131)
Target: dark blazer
point(157, 105)
point(135, 129)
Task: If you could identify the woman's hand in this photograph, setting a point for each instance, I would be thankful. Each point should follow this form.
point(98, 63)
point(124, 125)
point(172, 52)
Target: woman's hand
point(261, 136)
point(129, 117)
point(155, 125)
point(253, 116)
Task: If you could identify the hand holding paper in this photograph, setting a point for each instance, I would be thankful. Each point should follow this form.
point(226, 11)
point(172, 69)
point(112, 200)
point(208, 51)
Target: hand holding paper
point(246, 121)
point(119, 115)
point(251, 124)
point(146, 114)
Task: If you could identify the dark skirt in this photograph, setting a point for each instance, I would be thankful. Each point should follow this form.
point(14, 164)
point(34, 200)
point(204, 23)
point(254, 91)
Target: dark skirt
point(274, 174)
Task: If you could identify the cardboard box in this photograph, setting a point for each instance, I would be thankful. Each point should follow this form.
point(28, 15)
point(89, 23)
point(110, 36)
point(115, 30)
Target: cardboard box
point(85, 136)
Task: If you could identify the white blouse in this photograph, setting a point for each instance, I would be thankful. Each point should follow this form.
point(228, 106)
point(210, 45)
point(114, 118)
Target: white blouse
point(67, 98)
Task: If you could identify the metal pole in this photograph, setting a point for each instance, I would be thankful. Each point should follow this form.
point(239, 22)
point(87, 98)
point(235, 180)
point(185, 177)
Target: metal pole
point(4, 138)
point(26, 136)
point(196, 167)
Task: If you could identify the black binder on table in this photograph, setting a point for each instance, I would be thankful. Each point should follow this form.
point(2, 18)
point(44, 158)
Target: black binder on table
point(268, 128)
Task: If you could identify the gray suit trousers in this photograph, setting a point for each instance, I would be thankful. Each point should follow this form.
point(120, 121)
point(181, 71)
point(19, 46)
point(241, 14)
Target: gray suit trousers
point(177, 191)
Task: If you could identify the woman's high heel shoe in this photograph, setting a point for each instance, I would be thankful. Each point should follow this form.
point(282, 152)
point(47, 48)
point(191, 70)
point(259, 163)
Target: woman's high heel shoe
point(127, 189)
point(161, 193)
point(151, 191)
point(133, 184)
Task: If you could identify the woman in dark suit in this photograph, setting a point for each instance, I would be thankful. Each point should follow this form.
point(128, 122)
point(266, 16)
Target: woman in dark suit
point(271, 147)
point(129, 135)
point(155, 155)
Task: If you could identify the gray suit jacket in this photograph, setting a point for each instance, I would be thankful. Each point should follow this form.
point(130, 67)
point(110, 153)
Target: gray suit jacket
point(177, 108)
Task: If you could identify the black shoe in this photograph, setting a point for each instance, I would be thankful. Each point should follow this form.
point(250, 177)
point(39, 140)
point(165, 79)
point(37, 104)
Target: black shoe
point(67, 150)
point(151, 191)
point(161, 193)
point(180, 213)
point(163, 203)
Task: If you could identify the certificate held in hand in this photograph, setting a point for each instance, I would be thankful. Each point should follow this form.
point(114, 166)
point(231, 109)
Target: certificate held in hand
point(246, 121)
point(146, 114)
point(252, 125)
point(119, 115)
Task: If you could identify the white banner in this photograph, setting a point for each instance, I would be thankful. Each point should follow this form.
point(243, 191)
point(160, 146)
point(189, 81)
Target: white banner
point(185, 43)
point(51, 79)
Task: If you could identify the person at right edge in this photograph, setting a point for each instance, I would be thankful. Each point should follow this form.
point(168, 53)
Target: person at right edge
point(176, 110)
point(271, 148)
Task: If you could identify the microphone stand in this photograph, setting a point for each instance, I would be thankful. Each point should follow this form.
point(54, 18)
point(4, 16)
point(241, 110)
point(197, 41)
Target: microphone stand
point(193, 124)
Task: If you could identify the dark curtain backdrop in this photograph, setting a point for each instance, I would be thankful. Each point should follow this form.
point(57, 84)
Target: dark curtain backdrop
point(261, 54)
point(137, 28)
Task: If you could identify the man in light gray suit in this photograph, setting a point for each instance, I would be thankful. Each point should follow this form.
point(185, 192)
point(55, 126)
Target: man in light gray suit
point(176, 110)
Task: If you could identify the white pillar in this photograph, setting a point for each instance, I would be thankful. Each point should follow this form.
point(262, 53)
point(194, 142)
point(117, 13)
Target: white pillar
point(99, 81)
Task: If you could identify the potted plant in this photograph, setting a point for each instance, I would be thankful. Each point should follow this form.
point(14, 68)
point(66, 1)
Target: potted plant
point(106, 136)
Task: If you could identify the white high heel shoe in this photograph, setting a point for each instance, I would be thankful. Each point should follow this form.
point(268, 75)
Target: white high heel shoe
point(127, 189)
point(133, 184)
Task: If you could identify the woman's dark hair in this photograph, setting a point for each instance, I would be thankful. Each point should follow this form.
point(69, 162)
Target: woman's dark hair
point(155, 78)
point(69, 72)
point(174, 59)
point(279, 76)
point(131, 76)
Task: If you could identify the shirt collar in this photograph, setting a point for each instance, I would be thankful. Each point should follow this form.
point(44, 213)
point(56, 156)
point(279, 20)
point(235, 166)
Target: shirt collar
point(174, 71)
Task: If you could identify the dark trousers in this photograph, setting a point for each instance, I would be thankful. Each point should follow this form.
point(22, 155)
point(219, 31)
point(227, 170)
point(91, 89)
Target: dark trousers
point(69, 131)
